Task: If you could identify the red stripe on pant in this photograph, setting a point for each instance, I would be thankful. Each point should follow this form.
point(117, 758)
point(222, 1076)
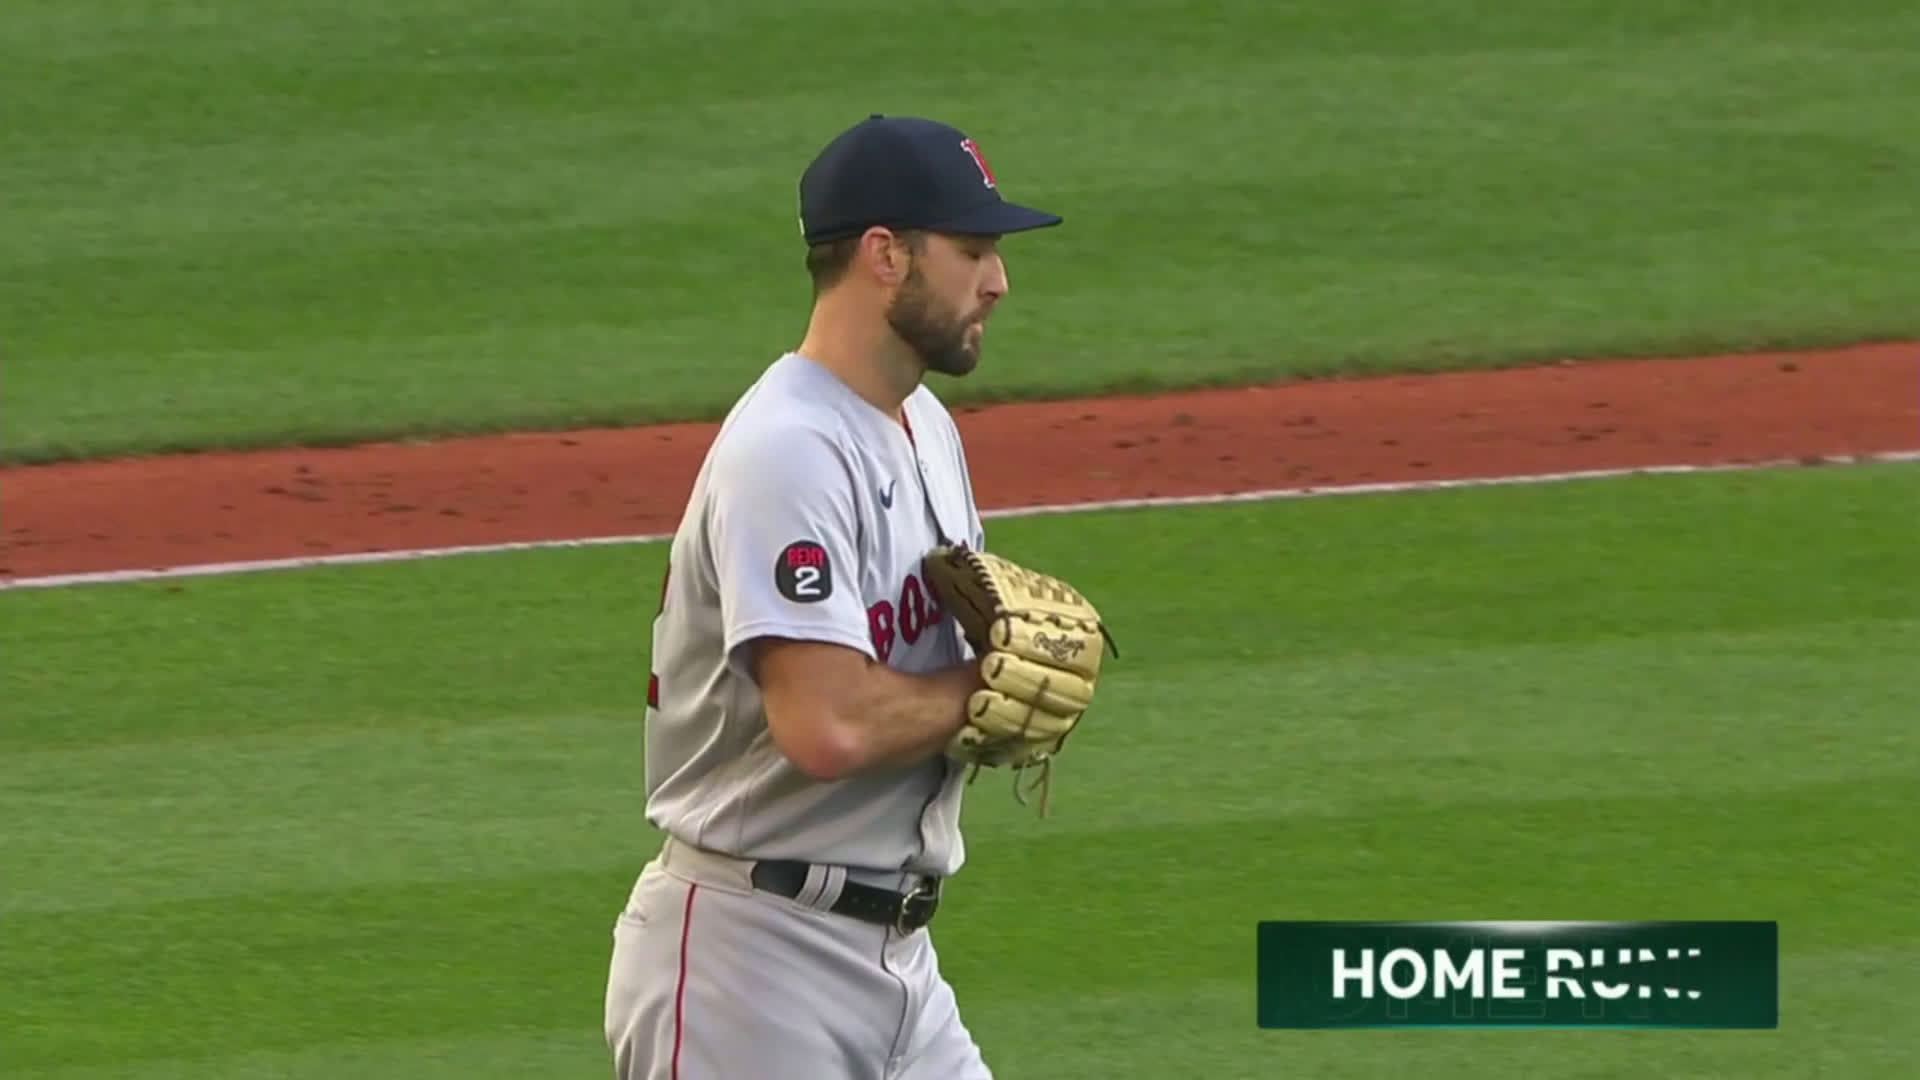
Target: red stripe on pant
point(680, 988)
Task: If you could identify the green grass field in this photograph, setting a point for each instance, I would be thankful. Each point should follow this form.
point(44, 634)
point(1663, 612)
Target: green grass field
point(374, 821)
point(246, 221)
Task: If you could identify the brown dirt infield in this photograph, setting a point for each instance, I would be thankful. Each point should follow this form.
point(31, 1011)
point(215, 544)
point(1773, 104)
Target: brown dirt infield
point(178, 510)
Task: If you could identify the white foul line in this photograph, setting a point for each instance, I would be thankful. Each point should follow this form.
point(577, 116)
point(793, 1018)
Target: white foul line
point(114, 577)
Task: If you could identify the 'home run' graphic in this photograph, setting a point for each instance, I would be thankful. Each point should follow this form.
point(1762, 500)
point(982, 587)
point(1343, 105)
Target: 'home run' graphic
point(1519, 974)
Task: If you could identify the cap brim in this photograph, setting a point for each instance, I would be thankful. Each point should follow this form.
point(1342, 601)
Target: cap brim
point(998, 218)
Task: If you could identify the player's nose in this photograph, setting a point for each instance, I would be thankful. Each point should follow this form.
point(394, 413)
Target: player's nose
point(993, 284)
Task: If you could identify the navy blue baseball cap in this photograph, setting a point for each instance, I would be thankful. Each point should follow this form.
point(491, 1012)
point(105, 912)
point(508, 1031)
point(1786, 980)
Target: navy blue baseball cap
point(904, 172)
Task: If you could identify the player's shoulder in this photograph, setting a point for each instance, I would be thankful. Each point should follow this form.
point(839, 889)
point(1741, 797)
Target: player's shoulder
point(780, 421)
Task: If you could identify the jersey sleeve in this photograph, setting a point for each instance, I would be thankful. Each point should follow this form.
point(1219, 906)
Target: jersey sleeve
point(784, 533)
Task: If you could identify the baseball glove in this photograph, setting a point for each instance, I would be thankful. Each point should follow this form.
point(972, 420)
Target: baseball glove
point(1040, 644)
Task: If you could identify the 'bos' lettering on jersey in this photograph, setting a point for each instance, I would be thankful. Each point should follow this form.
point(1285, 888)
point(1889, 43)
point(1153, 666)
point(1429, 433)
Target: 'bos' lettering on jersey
point(913, 614)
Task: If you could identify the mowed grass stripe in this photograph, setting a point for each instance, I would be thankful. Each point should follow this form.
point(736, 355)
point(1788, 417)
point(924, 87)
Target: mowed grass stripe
point(571, 1052)
point(265, 221)
point(1205, 1029)
point(1650, 697)
point(225, 817)
point(1157, 907)
point(543, 632)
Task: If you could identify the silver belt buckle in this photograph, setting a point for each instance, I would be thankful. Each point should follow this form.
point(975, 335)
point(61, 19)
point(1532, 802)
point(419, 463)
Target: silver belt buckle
point(920, 903)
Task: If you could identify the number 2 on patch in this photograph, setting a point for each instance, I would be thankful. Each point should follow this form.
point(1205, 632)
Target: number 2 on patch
point(803, 573)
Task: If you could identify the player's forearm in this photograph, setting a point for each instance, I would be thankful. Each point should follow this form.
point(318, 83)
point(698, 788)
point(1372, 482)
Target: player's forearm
point(891, 719)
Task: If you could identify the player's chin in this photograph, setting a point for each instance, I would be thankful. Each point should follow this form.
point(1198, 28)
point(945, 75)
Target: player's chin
point(970, 345)
point(956, 367)
point(959, 359)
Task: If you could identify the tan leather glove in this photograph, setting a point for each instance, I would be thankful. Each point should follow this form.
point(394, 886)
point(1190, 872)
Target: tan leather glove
point(1040, 644)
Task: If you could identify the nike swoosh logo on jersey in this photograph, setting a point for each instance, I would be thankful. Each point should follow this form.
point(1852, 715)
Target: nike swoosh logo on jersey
point(886, 495)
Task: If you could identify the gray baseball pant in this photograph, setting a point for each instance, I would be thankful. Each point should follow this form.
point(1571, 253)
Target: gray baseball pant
point(711, 979)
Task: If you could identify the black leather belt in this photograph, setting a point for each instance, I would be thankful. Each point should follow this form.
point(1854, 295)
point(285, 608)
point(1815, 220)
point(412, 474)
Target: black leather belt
point(905, 912)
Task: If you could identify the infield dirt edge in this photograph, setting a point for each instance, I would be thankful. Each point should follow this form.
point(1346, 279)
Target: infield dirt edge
point(176, 510)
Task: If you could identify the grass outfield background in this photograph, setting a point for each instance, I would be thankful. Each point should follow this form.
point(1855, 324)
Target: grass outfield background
point(375, 820)
point(245, 221)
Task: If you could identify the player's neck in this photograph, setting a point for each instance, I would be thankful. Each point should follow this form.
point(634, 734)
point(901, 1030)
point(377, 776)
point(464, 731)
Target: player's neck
point(866, 355)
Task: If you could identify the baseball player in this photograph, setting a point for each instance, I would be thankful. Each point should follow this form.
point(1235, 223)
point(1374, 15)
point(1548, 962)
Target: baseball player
point(805, 676)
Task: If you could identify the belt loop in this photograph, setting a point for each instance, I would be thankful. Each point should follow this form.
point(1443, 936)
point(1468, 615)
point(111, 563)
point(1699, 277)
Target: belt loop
point(822, 889)
point(701, 864)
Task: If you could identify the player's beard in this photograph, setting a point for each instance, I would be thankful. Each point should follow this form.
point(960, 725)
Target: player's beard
point(939, 339)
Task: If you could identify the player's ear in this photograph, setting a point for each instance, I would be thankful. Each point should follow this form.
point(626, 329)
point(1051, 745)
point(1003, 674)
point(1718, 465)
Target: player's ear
point(885, 255)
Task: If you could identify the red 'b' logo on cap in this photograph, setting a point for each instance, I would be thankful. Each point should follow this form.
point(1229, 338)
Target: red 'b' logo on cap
point(979, 160)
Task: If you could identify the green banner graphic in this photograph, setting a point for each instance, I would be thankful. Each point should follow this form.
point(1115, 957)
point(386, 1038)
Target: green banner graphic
point(1519, 974)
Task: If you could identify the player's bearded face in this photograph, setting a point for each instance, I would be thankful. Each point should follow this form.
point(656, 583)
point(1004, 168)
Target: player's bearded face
point(940, 336)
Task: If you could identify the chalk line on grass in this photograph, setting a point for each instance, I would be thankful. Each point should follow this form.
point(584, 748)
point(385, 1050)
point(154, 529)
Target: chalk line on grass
point(250, 566)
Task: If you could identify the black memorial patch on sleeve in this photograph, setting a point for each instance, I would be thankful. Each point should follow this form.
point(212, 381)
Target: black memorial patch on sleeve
point(803, 573)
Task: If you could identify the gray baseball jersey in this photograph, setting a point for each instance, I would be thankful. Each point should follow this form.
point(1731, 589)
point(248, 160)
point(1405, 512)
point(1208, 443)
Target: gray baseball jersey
point(808, 519)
